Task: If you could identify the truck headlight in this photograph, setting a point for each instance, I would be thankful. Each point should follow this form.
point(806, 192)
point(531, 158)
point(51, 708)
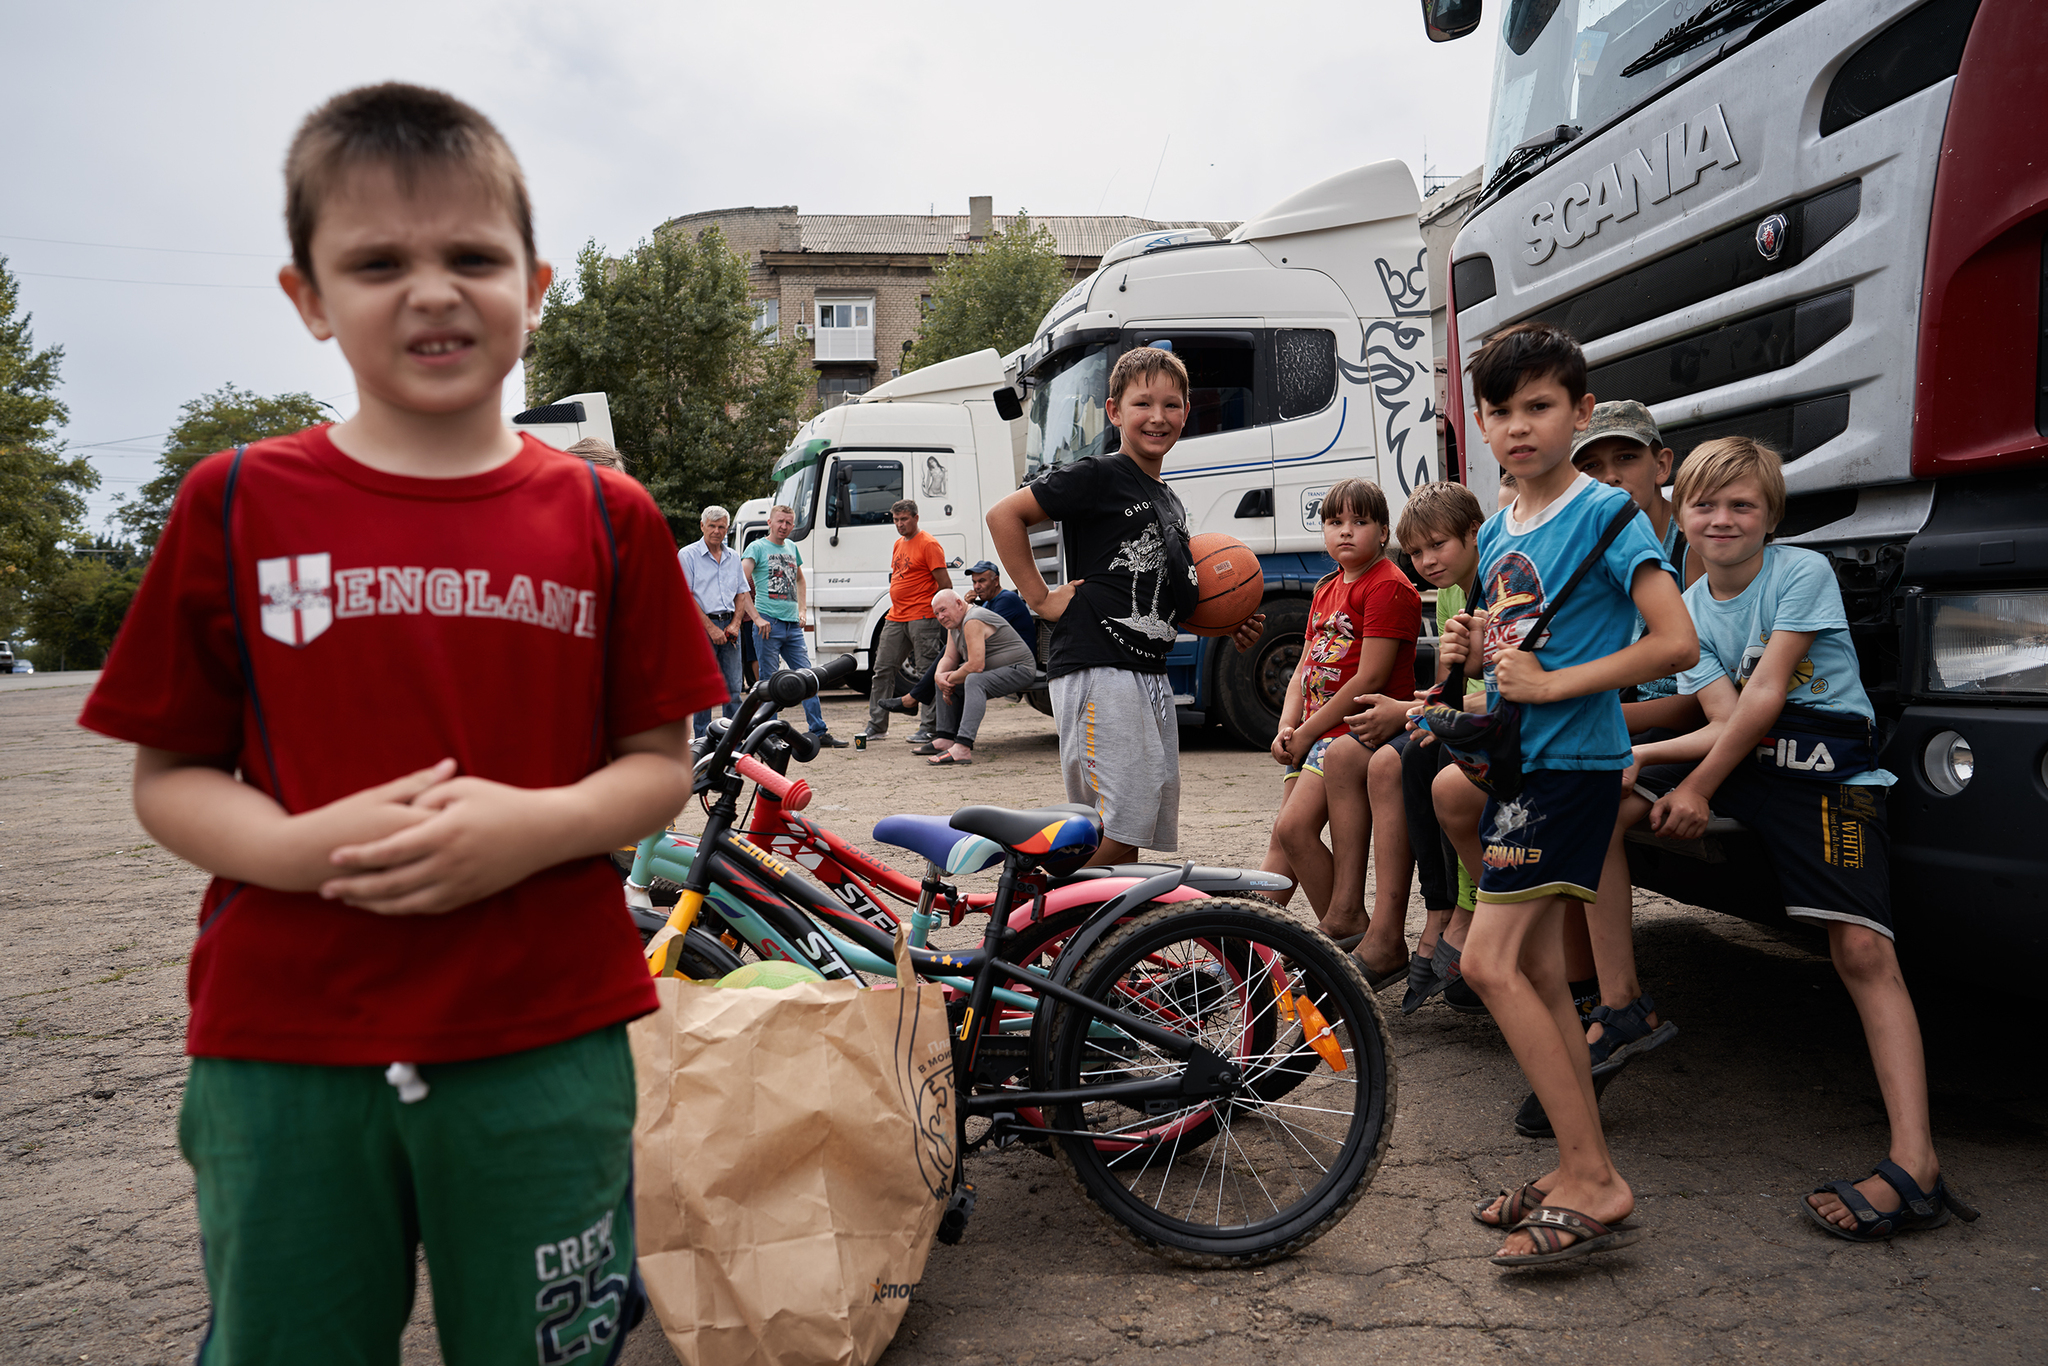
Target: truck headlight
point(1986, 643)
point(1949, 763)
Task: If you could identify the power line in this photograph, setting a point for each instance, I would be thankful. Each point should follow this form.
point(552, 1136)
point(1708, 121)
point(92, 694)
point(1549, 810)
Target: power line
point(116, 246)
point(111, 280)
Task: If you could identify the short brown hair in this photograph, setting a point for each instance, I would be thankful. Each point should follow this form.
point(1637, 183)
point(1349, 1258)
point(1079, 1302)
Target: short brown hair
point(1143, 362)
point(903, 505)
point(1713, 465)
point(1523, 354)
point(1360, 498)
point(411, 130)
point(599, 451)
point(1441, 509)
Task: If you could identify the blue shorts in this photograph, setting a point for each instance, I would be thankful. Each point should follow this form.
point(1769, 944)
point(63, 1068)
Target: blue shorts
point(1312, 762)
point(1551, 840)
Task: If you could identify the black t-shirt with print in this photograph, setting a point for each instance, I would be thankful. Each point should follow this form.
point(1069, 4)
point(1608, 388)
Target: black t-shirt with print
point(1138, 582)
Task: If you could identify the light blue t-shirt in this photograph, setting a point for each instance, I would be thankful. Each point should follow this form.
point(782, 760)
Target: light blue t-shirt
point(1521, 565)
point(1794, 591)
point(1666, 686)
point(775, 569)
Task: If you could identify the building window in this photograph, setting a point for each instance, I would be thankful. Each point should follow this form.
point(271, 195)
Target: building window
point(846, 329)
point(834, 390)
point(768, 319)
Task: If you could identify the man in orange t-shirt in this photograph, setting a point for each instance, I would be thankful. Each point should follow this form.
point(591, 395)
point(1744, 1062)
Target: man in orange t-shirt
point(911, 637)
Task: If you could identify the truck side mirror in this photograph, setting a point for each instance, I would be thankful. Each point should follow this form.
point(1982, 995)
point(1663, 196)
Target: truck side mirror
point(1008, 406)
point(835, 502)
point(1446, 20)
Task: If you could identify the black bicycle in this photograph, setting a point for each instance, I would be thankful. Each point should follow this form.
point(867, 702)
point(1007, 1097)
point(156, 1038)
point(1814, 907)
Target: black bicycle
point(1213, 1074)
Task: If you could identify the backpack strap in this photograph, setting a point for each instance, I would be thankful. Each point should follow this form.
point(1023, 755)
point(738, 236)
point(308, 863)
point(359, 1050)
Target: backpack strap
point(227, 534)
point(1621, 519)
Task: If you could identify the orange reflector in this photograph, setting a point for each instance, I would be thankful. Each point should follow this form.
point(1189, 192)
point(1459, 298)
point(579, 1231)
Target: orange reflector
point(1318, 1031)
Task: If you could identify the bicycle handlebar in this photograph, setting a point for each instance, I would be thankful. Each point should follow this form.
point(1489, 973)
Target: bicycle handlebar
point(793, 793)
point(779, 689)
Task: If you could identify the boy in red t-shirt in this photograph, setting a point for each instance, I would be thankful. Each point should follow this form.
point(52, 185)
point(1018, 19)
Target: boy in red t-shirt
point(383, 686)
point(1362, 626)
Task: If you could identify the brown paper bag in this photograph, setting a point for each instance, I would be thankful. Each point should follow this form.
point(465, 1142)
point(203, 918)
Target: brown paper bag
point(792, 1156)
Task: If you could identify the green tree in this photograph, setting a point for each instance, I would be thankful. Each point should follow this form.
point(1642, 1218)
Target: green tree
point(701, 403)
point(76, 609)
point(992, 297)
point(42, 494)
point(212, 422)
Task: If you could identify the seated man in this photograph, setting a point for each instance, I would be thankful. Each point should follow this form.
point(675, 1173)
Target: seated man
point(988, 591)
point(984, 658)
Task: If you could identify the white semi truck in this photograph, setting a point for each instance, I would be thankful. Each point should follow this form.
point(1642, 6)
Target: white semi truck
point(1818, 223)
point(567, 421)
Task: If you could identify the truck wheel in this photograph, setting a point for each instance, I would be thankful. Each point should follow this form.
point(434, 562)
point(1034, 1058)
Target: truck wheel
point(1250, 688)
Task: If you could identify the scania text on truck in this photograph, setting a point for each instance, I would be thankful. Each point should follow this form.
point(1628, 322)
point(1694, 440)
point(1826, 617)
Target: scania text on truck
point(1818, 223)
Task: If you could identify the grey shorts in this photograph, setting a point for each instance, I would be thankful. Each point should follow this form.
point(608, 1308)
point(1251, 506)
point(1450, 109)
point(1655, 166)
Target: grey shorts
point(1120, 752)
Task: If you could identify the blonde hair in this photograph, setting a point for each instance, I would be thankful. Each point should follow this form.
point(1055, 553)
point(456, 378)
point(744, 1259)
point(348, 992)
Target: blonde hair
point(1442, 508)
point(409, 128)
point(599, 451)
point(1713, 465)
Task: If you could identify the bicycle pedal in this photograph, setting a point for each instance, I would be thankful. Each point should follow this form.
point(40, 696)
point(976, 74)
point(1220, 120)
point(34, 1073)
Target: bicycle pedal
point(953, 1223)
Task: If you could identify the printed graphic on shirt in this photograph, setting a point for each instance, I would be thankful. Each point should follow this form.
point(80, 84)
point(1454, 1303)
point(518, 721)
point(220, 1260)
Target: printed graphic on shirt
point(583, 1292)
point(780, 566)
point(1330, 640)
point(1507, 840)
point(302, 596)
point(1145, 556)
point(1514, 598)
point(1802, 672)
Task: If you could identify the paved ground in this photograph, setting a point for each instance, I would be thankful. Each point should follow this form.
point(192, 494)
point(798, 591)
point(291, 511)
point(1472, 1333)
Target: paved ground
point(1765, 1093)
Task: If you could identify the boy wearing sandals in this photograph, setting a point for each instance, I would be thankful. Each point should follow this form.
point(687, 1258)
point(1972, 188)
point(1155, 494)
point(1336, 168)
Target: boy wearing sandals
point(1544, 847)
point(413, 968)
point(1787, 750)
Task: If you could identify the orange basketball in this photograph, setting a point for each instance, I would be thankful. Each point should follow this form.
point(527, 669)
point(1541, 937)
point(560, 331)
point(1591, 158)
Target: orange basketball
point(1230, 584)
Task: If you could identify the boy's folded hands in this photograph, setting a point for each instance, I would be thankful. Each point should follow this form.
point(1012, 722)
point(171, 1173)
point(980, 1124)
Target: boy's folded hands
point(1383, 718)
point(475, 837)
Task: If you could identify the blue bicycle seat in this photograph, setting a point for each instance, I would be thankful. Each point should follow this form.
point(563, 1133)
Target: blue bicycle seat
point(930, 837)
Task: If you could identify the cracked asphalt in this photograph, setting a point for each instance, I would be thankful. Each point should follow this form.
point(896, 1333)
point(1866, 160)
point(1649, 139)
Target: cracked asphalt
point(1765, 1093)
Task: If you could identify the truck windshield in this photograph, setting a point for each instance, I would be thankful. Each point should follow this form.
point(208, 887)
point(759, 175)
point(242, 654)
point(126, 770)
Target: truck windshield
point(1585, 63)
point(1067, 421)
point(797, 491)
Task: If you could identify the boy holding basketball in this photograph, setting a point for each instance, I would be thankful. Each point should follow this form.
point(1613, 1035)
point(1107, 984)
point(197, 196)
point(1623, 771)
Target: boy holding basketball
point(413, 966)
point(1544, 847)
point(1126, 541)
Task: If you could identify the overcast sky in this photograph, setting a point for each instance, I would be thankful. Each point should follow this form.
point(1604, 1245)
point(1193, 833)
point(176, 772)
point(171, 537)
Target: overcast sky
point(156, 133)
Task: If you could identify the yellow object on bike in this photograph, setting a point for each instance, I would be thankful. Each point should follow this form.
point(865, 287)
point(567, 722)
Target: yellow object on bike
point(1318, 1033)
point(665, 950)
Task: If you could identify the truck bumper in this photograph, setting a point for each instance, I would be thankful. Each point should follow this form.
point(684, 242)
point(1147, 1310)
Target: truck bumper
point(1972, 867)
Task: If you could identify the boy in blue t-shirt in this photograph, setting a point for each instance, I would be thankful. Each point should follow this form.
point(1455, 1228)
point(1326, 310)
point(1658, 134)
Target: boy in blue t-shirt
point(1787, 750)
point(1543, 849)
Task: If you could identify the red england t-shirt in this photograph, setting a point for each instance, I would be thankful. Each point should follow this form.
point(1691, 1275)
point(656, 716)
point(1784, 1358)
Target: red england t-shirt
point(1380, 604)
point(390, 622)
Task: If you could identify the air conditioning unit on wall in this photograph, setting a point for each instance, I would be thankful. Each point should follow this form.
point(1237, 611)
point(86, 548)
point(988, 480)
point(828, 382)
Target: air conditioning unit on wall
point(803, 331)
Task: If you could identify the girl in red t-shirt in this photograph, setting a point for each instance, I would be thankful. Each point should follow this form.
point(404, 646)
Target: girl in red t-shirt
point(1362, 626)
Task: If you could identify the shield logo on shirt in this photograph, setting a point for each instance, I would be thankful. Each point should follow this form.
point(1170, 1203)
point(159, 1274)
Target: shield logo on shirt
point(297, 602)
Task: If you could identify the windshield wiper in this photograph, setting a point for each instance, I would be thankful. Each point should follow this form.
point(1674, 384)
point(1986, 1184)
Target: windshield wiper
point(1716, 19)
point(1525, 161)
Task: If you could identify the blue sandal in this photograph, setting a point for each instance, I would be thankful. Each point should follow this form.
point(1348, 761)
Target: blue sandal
point(1626, 1034)
point(1920, 1210)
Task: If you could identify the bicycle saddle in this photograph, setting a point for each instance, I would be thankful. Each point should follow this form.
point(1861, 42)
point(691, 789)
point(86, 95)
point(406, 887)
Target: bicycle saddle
point(1054, 835)
point(931, 838)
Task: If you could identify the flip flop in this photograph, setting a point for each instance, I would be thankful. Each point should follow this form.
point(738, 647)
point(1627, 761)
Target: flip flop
point(1350, 941)
point(1517, 1206)
point(1549, 1225)
point(1379, 980)
point(945, 759)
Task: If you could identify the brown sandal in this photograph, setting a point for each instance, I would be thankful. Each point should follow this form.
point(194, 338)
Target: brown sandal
point(1549, 1225)
point(1515, 1206)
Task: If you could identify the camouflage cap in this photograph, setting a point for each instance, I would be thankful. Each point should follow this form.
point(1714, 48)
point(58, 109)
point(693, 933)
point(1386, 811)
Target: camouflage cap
point(1623, 417)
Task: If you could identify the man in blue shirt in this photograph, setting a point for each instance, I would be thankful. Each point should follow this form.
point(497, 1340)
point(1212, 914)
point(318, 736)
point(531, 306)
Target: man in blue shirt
point(718, 581)
point(987, 577)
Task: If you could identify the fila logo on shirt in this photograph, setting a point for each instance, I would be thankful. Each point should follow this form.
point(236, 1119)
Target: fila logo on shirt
point(1784, 752)
point(302, 595)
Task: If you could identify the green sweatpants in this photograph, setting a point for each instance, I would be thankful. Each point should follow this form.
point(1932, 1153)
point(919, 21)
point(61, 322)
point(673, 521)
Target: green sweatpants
point(317, 1185)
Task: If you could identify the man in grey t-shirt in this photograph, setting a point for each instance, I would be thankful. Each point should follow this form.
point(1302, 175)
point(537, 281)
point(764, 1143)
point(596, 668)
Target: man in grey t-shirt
point(984, 658)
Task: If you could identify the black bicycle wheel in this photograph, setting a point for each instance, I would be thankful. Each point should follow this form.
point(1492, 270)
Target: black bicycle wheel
point(1267, 1169)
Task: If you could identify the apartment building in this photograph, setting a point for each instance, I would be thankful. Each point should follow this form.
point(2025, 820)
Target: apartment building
point(851, 287)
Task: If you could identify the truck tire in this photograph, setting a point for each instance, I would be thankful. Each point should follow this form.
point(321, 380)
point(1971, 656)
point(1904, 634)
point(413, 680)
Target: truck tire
point(1250, 688)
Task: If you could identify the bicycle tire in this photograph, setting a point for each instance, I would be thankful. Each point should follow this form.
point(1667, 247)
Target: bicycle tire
point(1319, 1148)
